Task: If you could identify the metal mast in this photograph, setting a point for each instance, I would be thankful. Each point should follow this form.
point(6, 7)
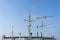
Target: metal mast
point(29, 23)
point(37, 32)
point(19, 36)
point(42, 24)
point(12, 33)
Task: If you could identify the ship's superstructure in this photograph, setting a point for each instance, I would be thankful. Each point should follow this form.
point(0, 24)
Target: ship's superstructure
point(27, 38)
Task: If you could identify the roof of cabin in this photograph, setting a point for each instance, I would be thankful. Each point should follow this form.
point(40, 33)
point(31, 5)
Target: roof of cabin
point(28, 37)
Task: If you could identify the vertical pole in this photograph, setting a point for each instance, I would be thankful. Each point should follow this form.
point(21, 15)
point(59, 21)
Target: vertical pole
point(19, 36)
point(37, 34)
point(37, 31)
point(12, 33)
point(42, 28)
point(29, 24)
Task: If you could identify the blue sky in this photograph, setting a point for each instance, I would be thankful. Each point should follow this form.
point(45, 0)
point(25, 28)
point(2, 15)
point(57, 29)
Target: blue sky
point(13, 12)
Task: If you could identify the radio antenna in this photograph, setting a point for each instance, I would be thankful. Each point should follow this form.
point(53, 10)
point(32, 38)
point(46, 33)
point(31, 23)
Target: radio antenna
point(12, 32)
point(29, 23)
point(42, 23)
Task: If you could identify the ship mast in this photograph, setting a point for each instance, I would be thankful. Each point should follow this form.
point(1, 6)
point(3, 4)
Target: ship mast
point(29, 24)
point(42, 23)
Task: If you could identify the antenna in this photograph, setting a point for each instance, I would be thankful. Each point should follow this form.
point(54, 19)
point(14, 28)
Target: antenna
point(19, 36)
point(37, 31)
point(29, 23)
point(12, 32)
point(42, 24)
